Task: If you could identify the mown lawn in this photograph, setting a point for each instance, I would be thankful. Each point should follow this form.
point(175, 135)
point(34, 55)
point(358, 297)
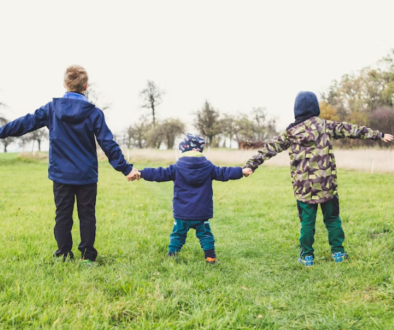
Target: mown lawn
point(257, 284)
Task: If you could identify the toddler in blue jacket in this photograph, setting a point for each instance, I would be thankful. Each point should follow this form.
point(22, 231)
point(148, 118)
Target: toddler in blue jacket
point(192, 204)
point(74, 126)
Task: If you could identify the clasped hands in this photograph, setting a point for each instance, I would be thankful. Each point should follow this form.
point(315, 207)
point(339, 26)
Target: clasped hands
point(247, 171)
point(133, 175)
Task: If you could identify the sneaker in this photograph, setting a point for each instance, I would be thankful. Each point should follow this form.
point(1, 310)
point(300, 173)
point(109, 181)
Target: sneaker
point(87, 262)
point(171, 254)
point(339, 256)
point(307, 262)
point(210, 260)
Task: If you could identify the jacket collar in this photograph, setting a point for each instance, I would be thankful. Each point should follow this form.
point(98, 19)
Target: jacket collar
point(300, 120)
point(75, 96)
point(192, 153)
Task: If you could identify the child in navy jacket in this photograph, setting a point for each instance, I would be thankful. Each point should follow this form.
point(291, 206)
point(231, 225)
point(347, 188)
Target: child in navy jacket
point(74, 125)
point(192, 204)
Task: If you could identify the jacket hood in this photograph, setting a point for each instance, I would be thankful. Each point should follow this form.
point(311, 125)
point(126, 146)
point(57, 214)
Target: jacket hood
point(194, 170)
point(72, 110)
point(306, 105)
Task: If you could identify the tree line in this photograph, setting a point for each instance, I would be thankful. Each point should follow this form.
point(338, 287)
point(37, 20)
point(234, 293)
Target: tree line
point(365, 97)
point(219, 129)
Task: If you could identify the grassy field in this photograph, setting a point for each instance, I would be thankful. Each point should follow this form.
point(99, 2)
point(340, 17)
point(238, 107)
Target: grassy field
point(257, 283)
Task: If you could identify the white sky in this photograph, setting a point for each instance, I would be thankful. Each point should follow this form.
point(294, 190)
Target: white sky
point(235, 54)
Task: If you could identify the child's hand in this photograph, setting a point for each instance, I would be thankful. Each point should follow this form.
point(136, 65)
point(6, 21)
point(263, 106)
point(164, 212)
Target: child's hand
point(387, 138)
point(248, 171)
point(133, 175)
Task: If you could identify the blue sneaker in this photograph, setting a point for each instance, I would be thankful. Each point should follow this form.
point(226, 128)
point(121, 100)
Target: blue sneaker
point(307, 262)
point(339, 256)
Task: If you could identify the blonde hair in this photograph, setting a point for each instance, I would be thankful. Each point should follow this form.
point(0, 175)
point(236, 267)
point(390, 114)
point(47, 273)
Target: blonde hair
point(75, 78)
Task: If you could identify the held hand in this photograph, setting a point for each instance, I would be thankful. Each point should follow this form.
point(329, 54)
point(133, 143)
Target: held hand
point(247, 171)
point(133, 175)
point(387, 138)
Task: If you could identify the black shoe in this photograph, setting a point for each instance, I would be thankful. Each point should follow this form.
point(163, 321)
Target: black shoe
point(171, 254)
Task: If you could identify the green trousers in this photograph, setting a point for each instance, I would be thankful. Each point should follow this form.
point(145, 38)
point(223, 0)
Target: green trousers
point(332, 221)
point(182, 227)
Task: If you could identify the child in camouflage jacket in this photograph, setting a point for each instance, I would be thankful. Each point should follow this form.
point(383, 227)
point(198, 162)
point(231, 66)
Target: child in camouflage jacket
point(313, 170)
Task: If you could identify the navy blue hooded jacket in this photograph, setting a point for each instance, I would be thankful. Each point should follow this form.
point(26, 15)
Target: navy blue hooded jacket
point(192, 178)
point(73, 125)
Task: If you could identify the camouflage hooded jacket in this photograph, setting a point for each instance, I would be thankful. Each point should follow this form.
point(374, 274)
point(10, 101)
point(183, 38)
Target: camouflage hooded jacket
point(313, 168)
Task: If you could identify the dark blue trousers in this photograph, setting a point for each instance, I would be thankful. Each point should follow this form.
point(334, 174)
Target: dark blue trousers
point(65, 196)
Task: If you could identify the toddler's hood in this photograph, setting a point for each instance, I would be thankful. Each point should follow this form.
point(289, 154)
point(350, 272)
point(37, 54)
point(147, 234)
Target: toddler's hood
point(194, 170)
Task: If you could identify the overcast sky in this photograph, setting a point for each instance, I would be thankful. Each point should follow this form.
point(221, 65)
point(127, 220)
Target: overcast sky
point(235, 54)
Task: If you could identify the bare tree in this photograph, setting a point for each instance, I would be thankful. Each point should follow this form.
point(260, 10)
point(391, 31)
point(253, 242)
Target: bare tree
point(207, 122)
point(263, 127)
point(38, 136)
point(152, 97)
point(2, 117)
point(170, 130)
point(136, 134)
point(95, 97)
point(155, 137)
point(244, 129)
point(8, 140)
point(255, 126)
point(229, 128)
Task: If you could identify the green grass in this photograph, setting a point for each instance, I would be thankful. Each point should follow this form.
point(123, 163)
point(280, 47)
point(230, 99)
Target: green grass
point(134, 286)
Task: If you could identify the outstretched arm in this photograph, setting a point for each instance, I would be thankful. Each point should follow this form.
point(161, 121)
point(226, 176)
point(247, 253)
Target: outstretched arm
point(111, 149)
point(227, 173)
point(159, 174)
point(26, 124)
point(339, 130)
point(269, 150)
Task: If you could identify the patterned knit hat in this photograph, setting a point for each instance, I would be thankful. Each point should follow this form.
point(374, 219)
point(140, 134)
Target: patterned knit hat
point(192, 142)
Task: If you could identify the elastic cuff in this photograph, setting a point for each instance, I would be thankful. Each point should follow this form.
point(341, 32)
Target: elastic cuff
point(382, 135)
point(210, 253)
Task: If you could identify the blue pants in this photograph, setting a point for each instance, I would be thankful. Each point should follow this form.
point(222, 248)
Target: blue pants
point(181, 228)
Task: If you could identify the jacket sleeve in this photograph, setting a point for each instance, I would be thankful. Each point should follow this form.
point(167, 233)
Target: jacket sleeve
point(268, 151)
point(111, 149)
point(26, 124)
point(339, 130)
point(227, 173)
point(159, 174)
